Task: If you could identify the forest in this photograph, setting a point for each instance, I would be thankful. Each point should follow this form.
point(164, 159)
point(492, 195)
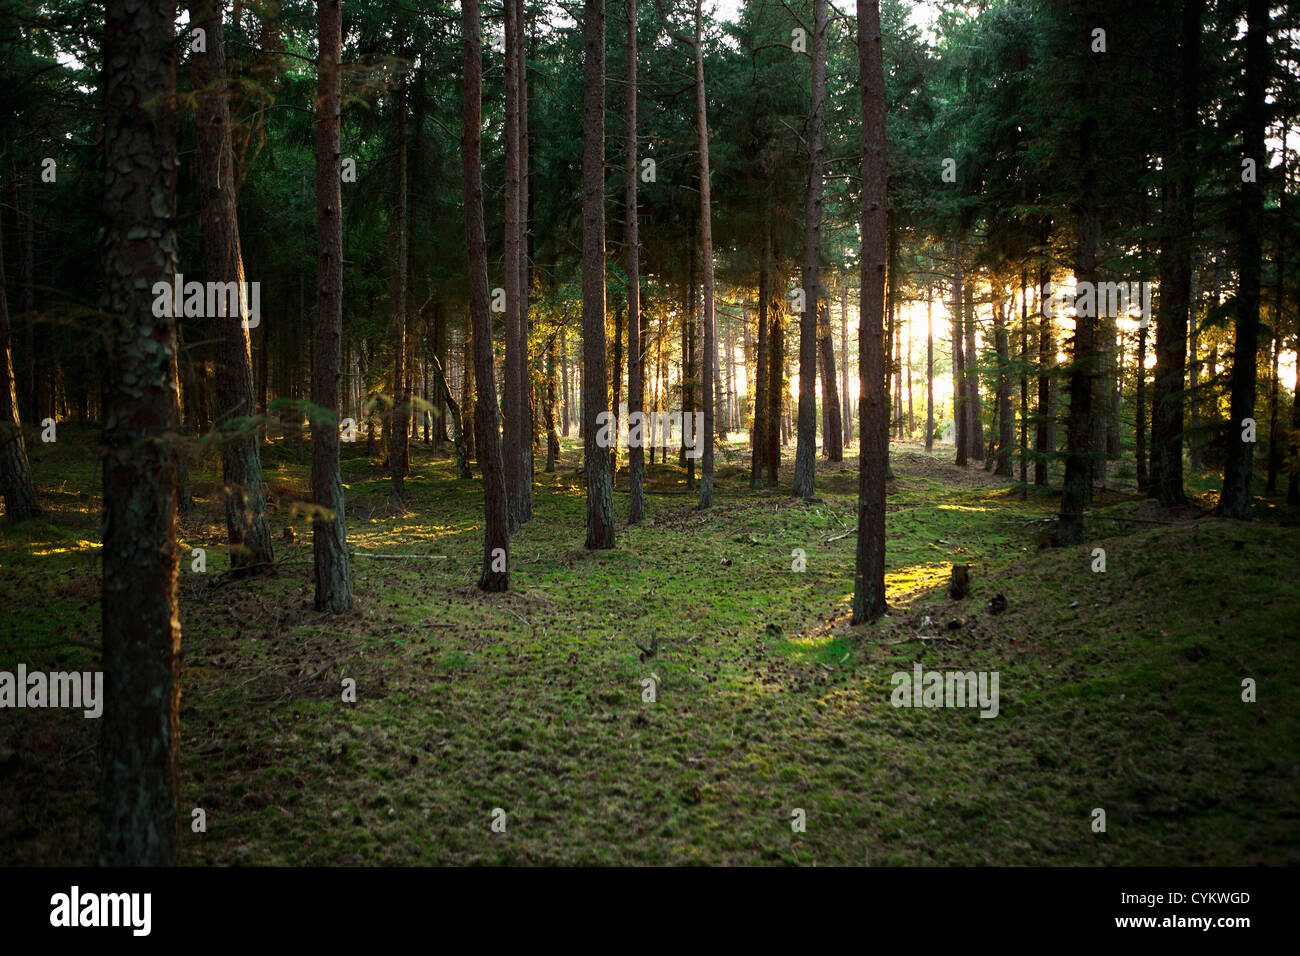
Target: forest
point(649, 432)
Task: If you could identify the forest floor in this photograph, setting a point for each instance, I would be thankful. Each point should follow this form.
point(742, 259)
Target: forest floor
point(1119, 690)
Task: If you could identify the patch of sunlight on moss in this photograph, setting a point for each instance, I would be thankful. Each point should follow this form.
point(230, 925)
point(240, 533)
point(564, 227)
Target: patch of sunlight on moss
point(960, 508)
point(919, 577)
point(74, 546)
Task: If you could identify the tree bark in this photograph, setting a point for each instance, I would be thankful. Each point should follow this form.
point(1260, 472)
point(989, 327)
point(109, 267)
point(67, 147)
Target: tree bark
point(329, 525)
point(929, 369)
point(399, 427)
point(869, 565)
point(495, 573)
point(1179, 182)
point(595, 395)
point(960, 420)
point(635, 358)
point(806, 435)
point(1076, 490)
point(140, 725)
point(15, 471)
point(1235, 500)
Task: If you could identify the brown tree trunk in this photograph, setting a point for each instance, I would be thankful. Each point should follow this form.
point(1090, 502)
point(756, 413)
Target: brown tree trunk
point(1002, 344)
point(595, 397)
point(241, 462)
point(1177, 212)
point(929, 368)
point(1076, 490)
point(960, 419)
point(514, 404)
point(806, 434)
point(974, 406)
point(564, 374)
point(1044, 433)
point(846, 410)
point(495, 574)
point(528, 410)
point(762, 389)
point(1238, 468)
point(833, 434)
point(329, 527)
point(15, 471)
point(140, 725)
point(635, 357)
point(399, 427)
point(869, 566)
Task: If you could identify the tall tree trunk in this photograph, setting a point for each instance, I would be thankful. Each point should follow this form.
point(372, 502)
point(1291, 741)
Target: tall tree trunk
point(1076, 491)
point(833, 437)
point(846, 410)
point(241, 461)
point(762, 389)
point(140, 726)
point(974, 406)
point(15, 471)
point(1002, 344)
point(495, 574)
point(527, 395)
point(1178, 208)
point(398, 432)
point(1044, 413)
point(552, 436)
point(1024, 384)
point(514, 402)
point(960, 419)
point(806, 437)
point(869, 564)
point(595, 396)
point(564, 375)
point(635, 358)
point(929, 368)
point(1234, 500)
point(468, 413)
point(329, 538)
point(776, 386)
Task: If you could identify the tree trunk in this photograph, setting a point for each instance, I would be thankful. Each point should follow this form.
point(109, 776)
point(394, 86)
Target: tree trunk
point(495, 574)
point(974, 406)
point(528, 405)
point(595, 397)
point(514, 403)
point(1179, 183)
point(241, 462)
point(846, 410)
point(399, 427)
point(552, 436)
point(1234, 500)
point(929, 369)
point(960, 421)
point(140, 726)
point(1024, 384)
point(833, 435)
point(329, 538)
point(1076, 491)
point(762, 390)
point(1044, 433)
point(564, 375)
point(806, 436)
point(635, 358)
point(1002, 344)
point(869, 565)
point(15, 472)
